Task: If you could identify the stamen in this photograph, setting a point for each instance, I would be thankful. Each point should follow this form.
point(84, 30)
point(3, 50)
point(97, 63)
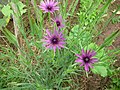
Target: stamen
point(86, 59)
point(54, 40)
point(49, 7)
point(58, 23)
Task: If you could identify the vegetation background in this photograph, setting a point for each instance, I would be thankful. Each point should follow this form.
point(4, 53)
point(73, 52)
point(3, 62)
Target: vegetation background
point(26, 65)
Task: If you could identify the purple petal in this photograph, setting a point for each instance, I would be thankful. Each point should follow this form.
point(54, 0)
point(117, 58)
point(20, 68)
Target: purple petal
point(43, 4)
point(58, 47)
point(62, 25)
point(93, 60)
point(78, 56)
point(54, 48)
point(78, 60)
point(81, 64)
point(45, 41)
point(47, 1)
point(93, 53)
point(62, 39)
point(83, 53)
point(86, 67)
point(61, 45)
point(47, 31)
point(61, 42)
point(46, 37)
point(55, 4)
point(61, 34)
point(56, 32)
point(90, 65)
point(88, 52)
point(60, 17)
point(56, 8)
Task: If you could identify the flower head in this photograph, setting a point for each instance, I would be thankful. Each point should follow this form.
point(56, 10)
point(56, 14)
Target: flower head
point(49, 6)
point(59, 22)
point(54, 40)
point(86, 59)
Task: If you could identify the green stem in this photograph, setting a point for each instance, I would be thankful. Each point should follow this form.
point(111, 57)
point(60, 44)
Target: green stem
point(49, 18)
point(54, 55)
point(70, 50)
point(86, 74)
point(53, 61)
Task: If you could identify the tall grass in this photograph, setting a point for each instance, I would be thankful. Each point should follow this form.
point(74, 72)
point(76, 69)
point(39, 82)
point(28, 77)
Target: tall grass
point(26, 65)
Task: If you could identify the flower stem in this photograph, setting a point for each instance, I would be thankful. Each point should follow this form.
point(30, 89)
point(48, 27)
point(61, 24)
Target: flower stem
point(49, 17)
point(86, 74)
point(53, 56)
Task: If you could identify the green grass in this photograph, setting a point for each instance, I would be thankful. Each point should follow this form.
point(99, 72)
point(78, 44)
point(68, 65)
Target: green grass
point(27, 65)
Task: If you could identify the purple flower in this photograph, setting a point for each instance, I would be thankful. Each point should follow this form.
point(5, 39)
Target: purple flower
point(86, 59)
point(49, 6)
point(59, 22)
point(54, 40)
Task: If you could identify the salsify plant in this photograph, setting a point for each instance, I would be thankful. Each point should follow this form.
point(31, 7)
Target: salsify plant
point(53, 51)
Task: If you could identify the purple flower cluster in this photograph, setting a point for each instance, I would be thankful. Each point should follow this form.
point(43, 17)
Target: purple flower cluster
point(55, 39)
point(51, 6)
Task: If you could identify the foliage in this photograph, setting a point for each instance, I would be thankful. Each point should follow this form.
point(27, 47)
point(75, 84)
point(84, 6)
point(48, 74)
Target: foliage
point(7, 12)
point(116, 20)
point(26, 65)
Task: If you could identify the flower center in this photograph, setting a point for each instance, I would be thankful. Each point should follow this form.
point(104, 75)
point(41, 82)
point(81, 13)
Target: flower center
point(58, 23)
point(49, 8)
point(86, 59)
point(54, 40)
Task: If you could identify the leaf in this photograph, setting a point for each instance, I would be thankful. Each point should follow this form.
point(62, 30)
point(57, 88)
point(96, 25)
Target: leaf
point(75, 28)
point(7, 11)
point(74, 32)
point(10, 36)
point(18, 7)
point(2, 23)
point(0, 5)
point(108, 41)
point(21, 7)
point(15, 1)
point(7, 20)
point(91, 46)
point(100, 70)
